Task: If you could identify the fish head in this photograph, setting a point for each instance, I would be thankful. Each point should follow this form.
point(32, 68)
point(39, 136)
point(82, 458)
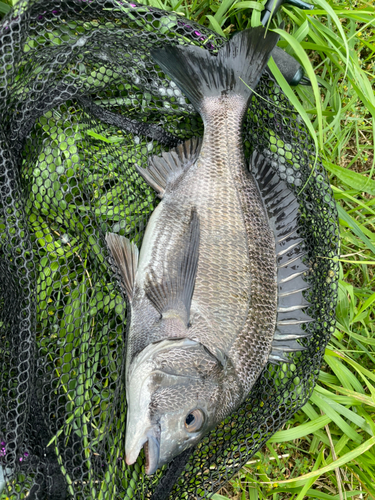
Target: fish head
point(173, 401)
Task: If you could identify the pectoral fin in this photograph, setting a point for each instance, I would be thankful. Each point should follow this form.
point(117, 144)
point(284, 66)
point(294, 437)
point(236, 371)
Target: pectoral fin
point(125, 254)
point(172, 295)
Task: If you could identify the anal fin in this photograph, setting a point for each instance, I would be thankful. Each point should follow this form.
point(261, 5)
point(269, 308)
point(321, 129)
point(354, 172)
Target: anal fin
point(125, 254)
point(165, 170)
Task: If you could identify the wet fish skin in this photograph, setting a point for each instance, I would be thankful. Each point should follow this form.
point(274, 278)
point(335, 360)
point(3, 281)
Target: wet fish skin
point(204, 352)
point(257, 286)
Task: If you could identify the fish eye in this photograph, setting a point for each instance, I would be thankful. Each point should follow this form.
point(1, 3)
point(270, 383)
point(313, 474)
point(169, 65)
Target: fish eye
point(194, 420)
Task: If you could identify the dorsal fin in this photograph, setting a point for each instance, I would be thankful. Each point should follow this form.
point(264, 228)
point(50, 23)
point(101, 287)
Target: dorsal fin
point(125, 254)
point(172, 296)
point(164, 171)
point(282, 208)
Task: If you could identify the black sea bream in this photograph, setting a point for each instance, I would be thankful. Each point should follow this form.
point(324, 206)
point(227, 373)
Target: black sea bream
point(216, 292)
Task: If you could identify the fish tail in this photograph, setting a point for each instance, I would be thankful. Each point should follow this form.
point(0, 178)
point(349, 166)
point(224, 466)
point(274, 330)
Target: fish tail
point(236, 69)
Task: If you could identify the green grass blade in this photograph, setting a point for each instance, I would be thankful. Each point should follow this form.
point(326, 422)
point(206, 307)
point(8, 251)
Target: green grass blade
point(302, 31)
point(318, 494)
point(246, 5)
point(362, 398)
point(301, 495)
point(329, 10)
point(305, 61)
point(335, 417)
point(367, 304)
point(345, 412)
point(300, 431)
point(352, 179)
point(294, 100)
point(4, 8)
point(220, 15)
point(346, 377)
point(355, 227)
point(348, 457)
point(215, 25)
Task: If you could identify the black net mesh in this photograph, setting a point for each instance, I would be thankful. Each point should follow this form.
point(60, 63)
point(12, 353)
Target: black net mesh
point(80, 103)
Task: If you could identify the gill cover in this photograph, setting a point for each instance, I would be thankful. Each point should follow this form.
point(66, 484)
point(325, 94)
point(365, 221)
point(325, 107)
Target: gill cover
point(171, 400)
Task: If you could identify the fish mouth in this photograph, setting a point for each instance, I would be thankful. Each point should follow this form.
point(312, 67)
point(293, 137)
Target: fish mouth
point(151, 448)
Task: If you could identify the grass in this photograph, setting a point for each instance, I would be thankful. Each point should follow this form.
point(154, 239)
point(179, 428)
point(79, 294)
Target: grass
point(327, 449)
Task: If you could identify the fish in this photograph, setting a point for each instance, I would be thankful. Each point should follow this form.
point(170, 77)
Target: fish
point(216, 291)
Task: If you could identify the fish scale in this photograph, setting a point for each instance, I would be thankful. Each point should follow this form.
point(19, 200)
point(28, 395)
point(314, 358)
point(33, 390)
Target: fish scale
point(250, 235)
point(223, 269)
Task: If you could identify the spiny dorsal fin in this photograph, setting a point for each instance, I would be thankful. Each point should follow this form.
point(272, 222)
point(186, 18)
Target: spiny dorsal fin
point(164, 170)
point(282, 208)
point(125, 254)
point(174, 293)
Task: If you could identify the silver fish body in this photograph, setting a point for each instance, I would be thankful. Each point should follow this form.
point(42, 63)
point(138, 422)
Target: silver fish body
point(204, 291)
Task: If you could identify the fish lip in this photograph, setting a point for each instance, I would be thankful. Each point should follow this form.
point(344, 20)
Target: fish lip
point(151, 445)
point(152, 453)
point(131, 457)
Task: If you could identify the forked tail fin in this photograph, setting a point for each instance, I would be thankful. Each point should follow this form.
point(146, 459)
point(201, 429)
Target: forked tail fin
point(200, 74)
